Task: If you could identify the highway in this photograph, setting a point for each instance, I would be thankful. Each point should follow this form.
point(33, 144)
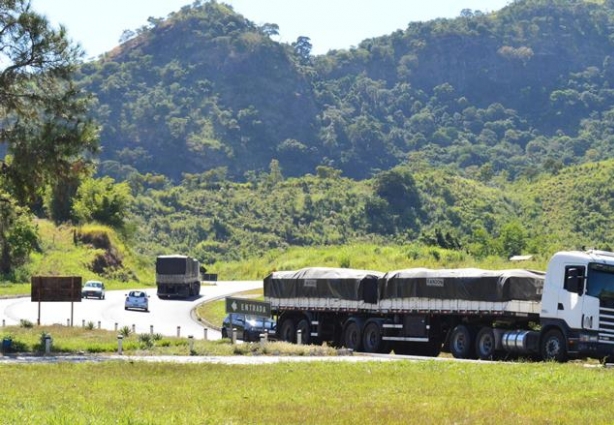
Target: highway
point(167, 317)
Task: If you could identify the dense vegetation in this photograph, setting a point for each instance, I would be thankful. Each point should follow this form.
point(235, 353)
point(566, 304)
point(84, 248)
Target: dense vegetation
point(508, 93)
point(221, 220)
point(480, 134)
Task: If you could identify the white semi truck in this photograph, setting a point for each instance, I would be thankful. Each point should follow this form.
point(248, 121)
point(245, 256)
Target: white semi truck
point(566, 312)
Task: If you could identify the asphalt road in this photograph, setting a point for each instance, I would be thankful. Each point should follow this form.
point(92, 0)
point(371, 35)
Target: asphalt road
point(167, 317)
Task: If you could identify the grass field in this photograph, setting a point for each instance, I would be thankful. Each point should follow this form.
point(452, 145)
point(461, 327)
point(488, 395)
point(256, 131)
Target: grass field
point(400, 392)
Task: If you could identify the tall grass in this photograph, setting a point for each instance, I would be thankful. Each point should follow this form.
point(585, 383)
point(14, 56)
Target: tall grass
point(362, 256)
point(63, 254)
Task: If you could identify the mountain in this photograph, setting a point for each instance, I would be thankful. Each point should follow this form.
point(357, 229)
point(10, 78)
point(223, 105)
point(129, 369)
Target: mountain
point(516, 92)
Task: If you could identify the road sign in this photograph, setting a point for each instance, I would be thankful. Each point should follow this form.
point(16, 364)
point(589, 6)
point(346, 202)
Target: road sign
point(245, 306)
point(56, 288)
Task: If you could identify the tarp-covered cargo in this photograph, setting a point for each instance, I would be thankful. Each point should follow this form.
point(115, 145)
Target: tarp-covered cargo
point(177, 265)
point(463, 284)
point(324, 282)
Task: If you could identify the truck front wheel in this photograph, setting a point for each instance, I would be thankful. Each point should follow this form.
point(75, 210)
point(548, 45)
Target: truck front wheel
point(554, 346)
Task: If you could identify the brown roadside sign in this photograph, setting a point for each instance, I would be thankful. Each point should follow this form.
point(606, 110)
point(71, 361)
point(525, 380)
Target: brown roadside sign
point(56, 288)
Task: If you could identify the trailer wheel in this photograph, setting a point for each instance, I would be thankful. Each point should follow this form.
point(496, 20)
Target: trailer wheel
point(372, 338)
point(461, 343)
point(352, 338)
point(485, 344)
point(553, 346)
point(304, 327)
point(287, 331)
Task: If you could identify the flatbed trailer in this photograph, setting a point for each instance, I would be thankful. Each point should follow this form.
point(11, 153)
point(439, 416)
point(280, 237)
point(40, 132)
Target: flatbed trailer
point(566, 312)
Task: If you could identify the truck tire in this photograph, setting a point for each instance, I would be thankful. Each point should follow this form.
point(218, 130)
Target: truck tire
point(372, 338)
point(485, 344)
point(462, 343)
point(304, 327)
point(352, 337)
point(287, 331)
point(224, 333)
point(554, 346)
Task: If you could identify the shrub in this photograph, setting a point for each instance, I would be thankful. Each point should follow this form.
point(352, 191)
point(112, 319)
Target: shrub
point(25, 323)
point(147, 341)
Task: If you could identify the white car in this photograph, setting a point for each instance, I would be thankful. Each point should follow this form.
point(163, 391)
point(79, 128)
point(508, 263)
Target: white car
point(93, 288)
point(138, 300)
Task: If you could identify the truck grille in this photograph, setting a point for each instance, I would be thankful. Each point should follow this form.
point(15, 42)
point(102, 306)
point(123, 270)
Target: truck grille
point(606, 325)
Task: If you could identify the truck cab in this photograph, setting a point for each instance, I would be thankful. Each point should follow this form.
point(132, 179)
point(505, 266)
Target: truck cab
point(578, 301)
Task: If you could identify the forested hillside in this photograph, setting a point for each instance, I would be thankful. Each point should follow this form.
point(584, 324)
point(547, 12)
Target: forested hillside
point(218, 220)
point(514, 92)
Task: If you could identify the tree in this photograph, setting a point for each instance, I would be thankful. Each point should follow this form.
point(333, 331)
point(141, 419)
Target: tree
point(103, 201)
point(302, 47)
point(126, 35)
point(17, 234)
point(398, 188)
point(275, 176)
point(270, 29)
point(43, 120)
point(512, 239)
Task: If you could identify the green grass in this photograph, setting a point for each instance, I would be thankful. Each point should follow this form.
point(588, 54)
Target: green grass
point(361, 256)
point(306, 393)
point(61, 256)
point(88, 340)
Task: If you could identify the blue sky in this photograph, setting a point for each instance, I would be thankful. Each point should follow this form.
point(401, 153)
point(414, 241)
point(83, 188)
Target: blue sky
point(330, 24)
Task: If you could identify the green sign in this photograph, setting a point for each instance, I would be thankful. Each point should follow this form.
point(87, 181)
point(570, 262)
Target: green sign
point(245, 306)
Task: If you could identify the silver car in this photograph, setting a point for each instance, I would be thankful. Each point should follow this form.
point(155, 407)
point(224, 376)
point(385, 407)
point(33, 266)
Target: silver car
point(137, 300)
point(93, 288)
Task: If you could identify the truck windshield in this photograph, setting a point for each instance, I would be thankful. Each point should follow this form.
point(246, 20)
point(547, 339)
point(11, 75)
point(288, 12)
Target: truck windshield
point(600, 281)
